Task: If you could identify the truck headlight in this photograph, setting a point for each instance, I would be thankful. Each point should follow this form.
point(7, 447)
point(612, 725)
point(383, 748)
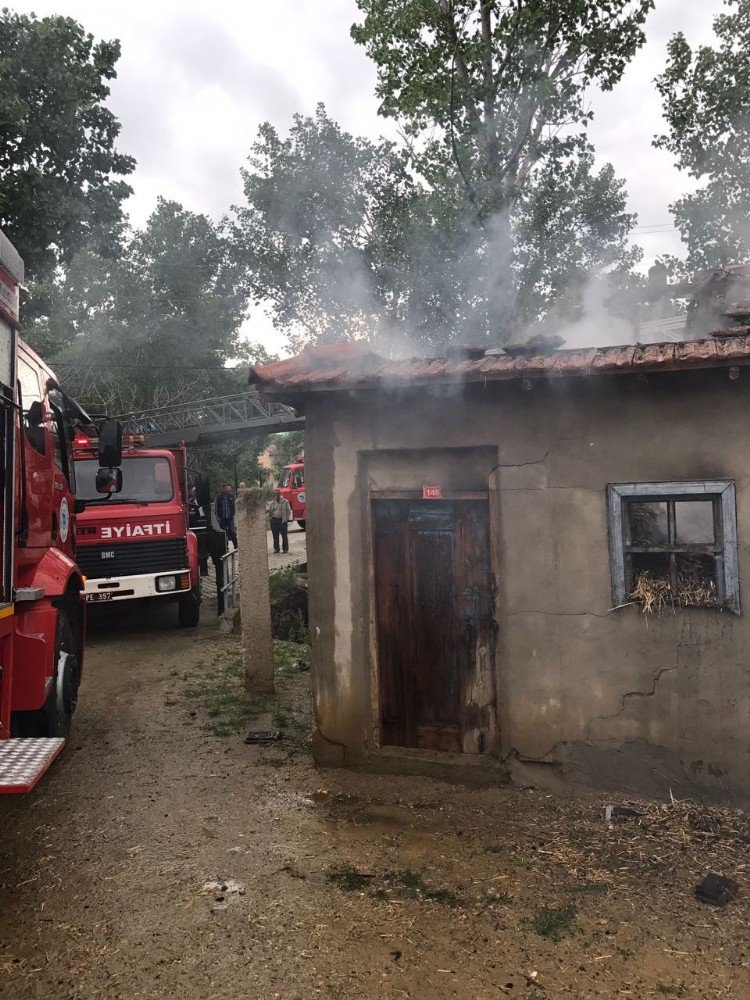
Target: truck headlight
point(164, 583)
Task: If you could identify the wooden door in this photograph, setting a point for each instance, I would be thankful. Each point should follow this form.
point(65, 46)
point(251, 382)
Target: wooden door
point(434, 625)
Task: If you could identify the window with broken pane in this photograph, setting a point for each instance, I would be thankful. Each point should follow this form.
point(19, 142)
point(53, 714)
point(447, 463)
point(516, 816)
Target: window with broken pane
point(674, 545)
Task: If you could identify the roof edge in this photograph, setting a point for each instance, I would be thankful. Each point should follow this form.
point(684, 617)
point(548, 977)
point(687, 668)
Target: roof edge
point(303, 374)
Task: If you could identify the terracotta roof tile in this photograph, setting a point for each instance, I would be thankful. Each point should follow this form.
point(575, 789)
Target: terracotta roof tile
point(575, 361)
point(655, 356)
point(340, 366)
point(614, 359)
point(732, 348)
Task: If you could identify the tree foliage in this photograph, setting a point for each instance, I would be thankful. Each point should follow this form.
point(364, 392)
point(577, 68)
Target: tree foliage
point(490, 214)
point(324, 212)
point(706, 96)
point(289, 446)
point(61, 185)
point(156, 325)
point(495, 86)
point(233, 462)
point(345, 241)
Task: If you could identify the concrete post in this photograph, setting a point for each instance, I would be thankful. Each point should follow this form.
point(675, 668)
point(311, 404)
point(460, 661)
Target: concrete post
point(255, 601)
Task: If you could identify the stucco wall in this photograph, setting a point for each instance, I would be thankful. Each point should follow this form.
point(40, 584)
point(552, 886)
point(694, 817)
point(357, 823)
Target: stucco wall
point(610, 698)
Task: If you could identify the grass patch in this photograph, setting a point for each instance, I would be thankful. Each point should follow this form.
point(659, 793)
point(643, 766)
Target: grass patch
point(404, 884)
point(282, 582)
point(222, 732)
point(551, 922)
point(410, 885)
point(290, 658)
point(219, 690)
point(288, 592)
point(348, 879)
point(290, 625)
point(215, 693)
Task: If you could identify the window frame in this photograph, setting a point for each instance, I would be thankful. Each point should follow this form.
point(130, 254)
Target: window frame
point(721, 490)
point(61, 436)
point(35, 434)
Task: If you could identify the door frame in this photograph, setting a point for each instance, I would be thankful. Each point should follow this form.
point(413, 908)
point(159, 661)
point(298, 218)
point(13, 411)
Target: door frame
point(489, 497)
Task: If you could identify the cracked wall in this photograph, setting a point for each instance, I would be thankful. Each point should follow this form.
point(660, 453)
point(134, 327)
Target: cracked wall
point(605, 698)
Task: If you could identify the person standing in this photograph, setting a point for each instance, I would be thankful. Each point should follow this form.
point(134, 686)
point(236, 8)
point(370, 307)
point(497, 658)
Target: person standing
point(225, 512)
point(280, 514)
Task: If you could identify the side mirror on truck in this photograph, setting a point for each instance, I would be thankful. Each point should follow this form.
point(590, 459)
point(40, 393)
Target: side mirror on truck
point(108, 480)
point(110, 450)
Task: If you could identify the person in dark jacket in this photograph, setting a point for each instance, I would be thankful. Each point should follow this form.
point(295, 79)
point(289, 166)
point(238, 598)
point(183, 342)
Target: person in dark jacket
point(225, 512)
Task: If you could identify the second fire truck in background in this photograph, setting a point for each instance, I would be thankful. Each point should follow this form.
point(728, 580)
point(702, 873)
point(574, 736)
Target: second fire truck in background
point(138, 544)
point(292, 487)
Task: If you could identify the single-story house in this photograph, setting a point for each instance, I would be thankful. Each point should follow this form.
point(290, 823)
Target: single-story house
point(531, 563)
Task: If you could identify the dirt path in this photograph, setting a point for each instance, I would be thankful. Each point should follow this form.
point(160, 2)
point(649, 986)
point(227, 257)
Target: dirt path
point(336, 885)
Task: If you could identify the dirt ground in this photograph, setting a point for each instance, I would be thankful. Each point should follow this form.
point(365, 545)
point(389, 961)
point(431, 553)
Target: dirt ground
point(163, 857)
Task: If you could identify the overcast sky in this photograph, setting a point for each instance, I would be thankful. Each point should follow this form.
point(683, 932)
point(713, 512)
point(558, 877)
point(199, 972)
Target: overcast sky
point(196, 79)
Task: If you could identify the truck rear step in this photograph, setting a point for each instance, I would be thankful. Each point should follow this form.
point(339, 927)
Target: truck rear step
point(24, 761)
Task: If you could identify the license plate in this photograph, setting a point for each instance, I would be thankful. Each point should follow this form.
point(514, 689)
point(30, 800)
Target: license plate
point(106, 595)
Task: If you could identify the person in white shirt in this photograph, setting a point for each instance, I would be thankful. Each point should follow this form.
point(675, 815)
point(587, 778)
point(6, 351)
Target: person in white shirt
point(280, 514)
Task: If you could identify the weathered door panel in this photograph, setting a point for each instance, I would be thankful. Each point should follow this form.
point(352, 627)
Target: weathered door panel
point(396, 646)
point(434, 673)
point(434, 622)
point(478, 721)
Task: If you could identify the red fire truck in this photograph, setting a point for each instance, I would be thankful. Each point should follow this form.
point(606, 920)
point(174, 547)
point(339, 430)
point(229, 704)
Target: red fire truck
point(42, 620)
point(292, 487)
point(137, 544)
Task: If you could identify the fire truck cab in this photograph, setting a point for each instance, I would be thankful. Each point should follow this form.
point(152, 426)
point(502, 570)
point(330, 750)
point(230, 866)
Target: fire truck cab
point(137, 544)
point(292, 488)
point(42, 620)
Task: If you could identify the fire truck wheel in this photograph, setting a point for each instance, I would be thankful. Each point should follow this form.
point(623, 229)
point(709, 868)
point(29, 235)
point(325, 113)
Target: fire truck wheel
point(56, 716)
point(302, 524)
point(189, 608)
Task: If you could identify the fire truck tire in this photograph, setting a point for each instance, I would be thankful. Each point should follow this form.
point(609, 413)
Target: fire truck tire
point(56, 716)
point(302, 524)
point(189, 608)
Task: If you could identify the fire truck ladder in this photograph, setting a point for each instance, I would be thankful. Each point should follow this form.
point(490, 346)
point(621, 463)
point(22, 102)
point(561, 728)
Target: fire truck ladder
point(208, 421)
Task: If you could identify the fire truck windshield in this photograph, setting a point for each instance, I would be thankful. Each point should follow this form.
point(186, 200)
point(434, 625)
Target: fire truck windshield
point(144, 480)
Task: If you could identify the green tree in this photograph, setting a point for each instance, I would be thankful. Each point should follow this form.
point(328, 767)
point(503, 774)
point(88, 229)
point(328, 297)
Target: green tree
point(706, 96)
point(570, 227)
point(324, 210)
point(289, 446)
point(495, 87)
point(155, 326)
point(232, 462)
point(344, 241)
point(61, 185)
